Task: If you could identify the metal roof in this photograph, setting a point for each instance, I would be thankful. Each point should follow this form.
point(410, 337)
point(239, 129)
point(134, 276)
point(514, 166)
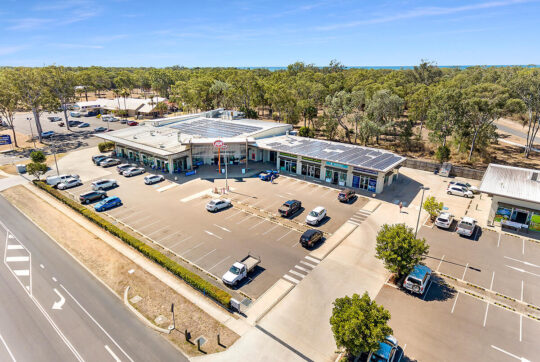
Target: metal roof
point(353, 155)
point(214, 128)
point(512, 182)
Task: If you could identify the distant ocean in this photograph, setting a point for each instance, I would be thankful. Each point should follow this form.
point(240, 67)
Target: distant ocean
point(397, 67)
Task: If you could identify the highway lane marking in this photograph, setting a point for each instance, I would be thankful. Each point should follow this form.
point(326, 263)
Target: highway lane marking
point(257, 224)
point(222, 228)
point(181, 241)
point(22, 272)
point(58, 305)
point(523, 270)
point(93, 319)
point(212, 234)
point(522, 359)
point(290, 231)
point(11, 259)
point(440, 263)
point(485, 316)
point(466, 267)
point(7, 348)
point(219, 263)
point(272, 228)
point(205, 255)
point(455, 301)
point(524, 262)
point(15, 247)
point(112, 354)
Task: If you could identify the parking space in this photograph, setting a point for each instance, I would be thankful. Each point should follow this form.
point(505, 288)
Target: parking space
point(174, 216)
point(448, 326)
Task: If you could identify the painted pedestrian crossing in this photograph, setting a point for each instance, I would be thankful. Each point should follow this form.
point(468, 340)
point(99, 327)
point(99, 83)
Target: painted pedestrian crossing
point(18, 259)
point(299, 272)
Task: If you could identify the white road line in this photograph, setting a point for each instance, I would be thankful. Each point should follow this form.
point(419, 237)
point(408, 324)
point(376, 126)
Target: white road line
point(99, 325)
point(42, 266)
point(455, 301)
point(523, 271)
point(10, 259)
point(303, 269)
point(272, 228)
point(524, 262)
point(297, 273)
point(205, 255)
point(214, 235)
point(158, 230)
point(247, 218)
point(190, 249)
point(233, 215)
point(222, 228)
point(522, 290)
point(219, 263)
point(54, 279)
point(197, 195)
point(112, 354)
point(499, 242)
point(291, 279)
point(308, 264)
point(438, 266)
point(168, 236)
point(165, 188)
point(492, 278)
point(147, 225)
point(352, 222)
point(485, 315)
point(427, 290)
point(509, 354)
point(523, 248)
point(312, 259)
point(294, 244)
point(520, 326)
point(257, 224)
point(363, 212)
point(7, 348)
point(15, 247)
point(466, 267)
point(181, 241)
point(22, 272)
point(290, 231)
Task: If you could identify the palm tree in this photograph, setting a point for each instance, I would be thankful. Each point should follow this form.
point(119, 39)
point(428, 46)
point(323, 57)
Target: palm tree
point(117, 92)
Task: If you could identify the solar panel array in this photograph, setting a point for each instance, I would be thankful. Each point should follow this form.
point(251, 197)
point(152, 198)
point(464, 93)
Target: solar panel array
point(211, 128)
point(336, 152)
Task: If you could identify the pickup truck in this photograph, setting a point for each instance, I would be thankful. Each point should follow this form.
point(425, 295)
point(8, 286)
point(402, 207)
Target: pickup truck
point(240, 270)
point(289, 208)
point(466, 226)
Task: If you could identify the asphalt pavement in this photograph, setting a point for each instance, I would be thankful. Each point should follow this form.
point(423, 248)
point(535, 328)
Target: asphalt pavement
point(54, 310)
point(516, 133)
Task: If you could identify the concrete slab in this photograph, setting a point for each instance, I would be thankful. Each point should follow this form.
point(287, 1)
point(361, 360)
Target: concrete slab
point(268, 300)
point(333, 241)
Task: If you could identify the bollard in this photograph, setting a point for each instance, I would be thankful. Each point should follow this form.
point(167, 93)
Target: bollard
point(187, 335)
point(199, 344)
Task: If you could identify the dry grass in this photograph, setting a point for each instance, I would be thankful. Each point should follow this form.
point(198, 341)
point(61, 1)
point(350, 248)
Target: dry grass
point(113, 268)
point(11, 169)
point(23, 140)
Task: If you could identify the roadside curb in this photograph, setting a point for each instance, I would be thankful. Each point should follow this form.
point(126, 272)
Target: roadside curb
point(142, 317)
point(335, 243)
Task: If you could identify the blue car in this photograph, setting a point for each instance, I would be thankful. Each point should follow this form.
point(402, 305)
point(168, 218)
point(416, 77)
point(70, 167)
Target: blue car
point(47, 134)
point(108, 203)
point(387, 351)
point(267, 175)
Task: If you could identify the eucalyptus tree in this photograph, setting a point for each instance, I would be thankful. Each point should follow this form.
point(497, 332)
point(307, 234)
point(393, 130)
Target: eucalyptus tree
point(418, 105)
point(219, 93)
point(446, 113)
point(383, 109)
point(339, 107)
point(61, 84)
point(10, 97)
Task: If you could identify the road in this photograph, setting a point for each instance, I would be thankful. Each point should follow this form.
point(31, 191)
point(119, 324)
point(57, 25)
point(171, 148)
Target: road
point(516, 133)
point(54, 310)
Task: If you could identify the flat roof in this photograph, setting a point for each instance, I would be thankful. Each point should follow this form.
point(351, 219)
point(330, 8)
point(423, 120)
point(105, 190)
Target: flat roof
point(352, 155)
point(512, 182)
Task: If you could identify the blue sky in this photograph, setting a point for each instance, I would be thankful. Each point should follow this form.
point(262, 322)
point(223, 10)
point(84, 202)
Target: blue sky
point(268, 33)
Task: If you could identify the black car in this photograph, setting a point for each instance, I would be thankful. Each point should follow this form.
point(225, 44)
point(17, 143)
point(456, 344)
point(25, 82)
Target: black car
point(289, 208)
point(310, 238)
point(73, 123)
point(97, 158)
point(346, 195)
point(88, 197)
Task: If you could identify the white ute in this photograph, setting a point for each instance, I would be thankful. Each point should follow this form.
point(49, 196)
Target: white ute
point(240, 270)
point(466, 226)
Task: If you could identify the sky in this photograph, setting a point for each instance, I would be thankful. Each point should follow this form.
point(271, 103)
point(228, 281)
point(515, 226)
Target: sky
point(250, 33)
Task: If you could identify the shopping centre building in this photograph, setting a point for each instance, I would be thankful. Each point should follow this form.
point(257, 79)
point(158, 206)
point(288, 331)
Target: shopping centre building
point(178, 144)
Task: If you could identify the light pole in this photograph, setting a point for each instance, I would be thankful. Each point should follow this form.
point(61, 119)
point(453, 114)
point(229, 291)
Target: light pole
point(31, 131)
point(423, 188)
point(226, 173)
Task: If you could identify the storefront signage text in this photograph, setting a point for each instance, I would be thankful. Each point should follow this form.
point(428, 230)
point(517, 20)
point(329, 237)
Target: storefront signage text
point(311, 159)
point(287, 154)
point(334, 164)
point(364, 170)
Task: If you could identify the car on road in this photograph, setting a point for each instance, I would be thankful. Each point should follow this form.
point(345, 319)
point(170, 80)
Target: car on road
point(418, 279)
point(466, 226)
point(100, 129)
point(90, 196)
point(84, 125)
point(152, 179)
point(316, 216)
point(468, 186)
point(346, 195)
point(387, 351)
point(97, 158)
point(218, 204)
point(91, 114)
point(132, 123)
point(69, 183)
point(55, 180)
point(104, 184)
point(268, 174)
point(444, 220)
point(108, 162)
point(459, 191)
point(54, 119)
point(289, 208)
point(124, 121)
point(311, 237)
point(47, 134)
point(240, 269)
point(132, 171)
point(124, 166)
point(75, 114)
point(73, 123)
point(108, 203)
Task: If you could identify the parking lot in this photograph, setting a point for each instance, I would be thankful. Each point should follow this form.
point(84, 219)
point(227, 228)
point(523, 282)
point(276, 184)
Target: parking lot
point(174, 216)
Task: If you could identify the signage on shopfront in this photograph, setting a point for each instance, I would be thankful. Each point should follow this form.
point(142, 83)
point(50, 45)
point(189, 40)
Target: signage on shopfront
point(365, 170)
point(335, 164)
point(219, 143)
point(287, 155)
point(5, 139)
point(311, 159)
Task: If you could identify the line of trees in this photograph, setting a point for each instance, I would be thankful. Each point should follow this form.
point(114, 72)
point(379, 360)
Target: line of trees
point(457, 106)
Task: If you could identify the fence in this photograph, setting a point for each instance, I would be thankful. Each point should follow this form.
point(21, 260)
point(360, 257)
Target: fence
point(458, 171)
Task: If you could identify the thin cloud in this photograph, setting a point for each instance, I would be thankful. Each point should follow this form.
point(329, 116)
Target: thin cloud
point(6, 50)
point(75, 46)
point(62, 5)
point(422, 12)
point(29, 23)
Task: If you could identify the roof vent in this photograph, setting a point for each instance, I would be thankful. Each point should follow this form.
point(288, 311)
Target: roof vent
point(534, 176)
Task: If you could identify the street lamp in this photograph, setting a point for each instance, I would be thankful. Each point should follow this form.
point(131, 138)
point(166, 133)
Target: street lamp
point(423, 188)
point(31, 131)
point(56, 163)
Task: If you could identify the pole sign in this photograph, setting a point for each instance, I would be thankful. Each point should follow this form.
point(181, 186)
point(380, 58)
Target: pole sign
point(218, 143)
point(5, 139)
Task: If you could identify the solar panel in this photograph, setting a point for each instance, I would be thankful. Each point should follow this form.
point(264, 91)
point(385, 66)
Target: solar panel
point(210, 128)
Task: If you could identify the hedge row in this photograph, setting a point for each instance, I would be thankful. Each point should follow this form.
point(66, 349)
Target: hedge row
point(188, 276)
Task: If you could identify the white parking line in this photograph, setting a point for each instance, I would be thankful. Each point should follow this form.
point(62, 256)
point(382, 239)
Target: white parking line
point(247, 218)
point(509, 354)
point(233, 215)
point(524, 262)
point(190, 249)
point(272, 228)
point(522, 290)
point(522, 270)
point(158, 230)
point(438, 266)
point(485, 316)
point(290, 231)
point(219, 263)
point(205, 255)
point(523, 249)
point(427, 290)
point(492, 278)
point(455, 301)
point(466, 267)
point(222, 228)
point(147, 225)
point(7, 348)
point(169, 236)
point(257, 224)
point(520, 326)
point(112, 354)
point(214, 235)
point(181, 241)
point(499, 242)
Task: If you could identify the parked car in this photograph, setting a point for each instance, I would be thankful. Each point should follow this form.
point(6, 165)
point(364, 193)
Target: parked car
point(124, 166)
point(268, 174)
point(124, 121)
point(104, 184)
point(316, 216)
point(47, 134)
point(132, 123)
point(55, 180)
point(75, 114)
point(90, 196)
point(108, 162)
point(459, 191)
point(466, 226)
point(97, 158)
point(108, 203)
point(468, 186)
point(113, 119)
point(100, 129)
point(132, 171)
point(387, 351)
point(346, 195)
point(218, 204)
point(91, 114)
point(84, 125)
point(418, 279)
point(69, 183)
point(311, 237)
point(240, 270)
point(444, 220)
point(73, 123)
point(152, 179)
point(54, 119)
point(289, 208)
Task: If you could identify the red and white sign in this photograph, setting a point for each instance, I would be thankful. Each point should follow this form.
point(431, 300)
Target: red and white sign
point(219, 143)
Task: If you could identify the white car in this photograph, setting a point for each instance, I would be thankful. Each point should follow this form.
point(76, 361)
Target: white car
point(109, 162)
point(104, 184)
point(69, 183)
point(55, 180)
point(133, 171)
point(316, 216)
point(152, 179)
point(459, 191)
point(218, 204)
point(444, 220)
point(466, 226)
point(468, 186)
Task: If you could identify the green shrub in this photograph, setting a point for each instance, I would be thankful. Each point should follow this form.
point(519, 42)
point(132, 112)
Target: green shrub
point(188, 276)
point(106, 146)
point(38, 157)
point(442, 154)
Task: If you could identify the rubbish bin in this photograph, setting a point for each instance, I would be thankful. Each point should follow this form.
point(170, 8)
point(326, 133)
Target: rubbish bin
point(21, 168)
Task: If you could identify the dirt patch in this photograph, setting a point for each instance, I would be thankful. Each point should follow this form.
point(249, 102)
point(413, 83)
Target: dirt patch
point(23, 140)
point(12, 169)
point(118, 272)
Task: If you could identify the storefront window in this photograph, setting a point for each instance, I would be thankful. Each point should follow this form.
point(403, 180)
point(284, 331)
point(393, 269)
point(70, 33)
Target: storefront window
point(503, 213)
point(311, 170)
point(287, 165)
point(535, 222)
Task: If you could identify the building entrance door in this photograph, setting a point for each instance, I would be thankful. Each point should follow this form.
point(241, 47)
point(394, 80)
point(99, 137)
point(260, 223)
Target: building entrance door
point(311, 171)
point(356, 181)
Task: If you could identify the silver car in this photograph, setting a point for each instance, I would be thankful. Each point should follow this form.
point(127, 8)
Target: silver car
point(133, 171)
point(218, 204)
point(69, 183)
point(104, 184)
point(152, 179)
point(109, 162)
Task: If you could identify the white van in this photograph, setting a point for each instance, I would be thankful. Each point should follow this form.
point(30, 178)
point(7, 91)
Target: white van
point(55, 180)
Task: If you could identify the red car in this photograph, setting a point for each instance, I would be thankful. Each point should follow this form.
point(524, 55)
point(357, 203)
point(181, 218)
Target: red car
point(132, 123)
